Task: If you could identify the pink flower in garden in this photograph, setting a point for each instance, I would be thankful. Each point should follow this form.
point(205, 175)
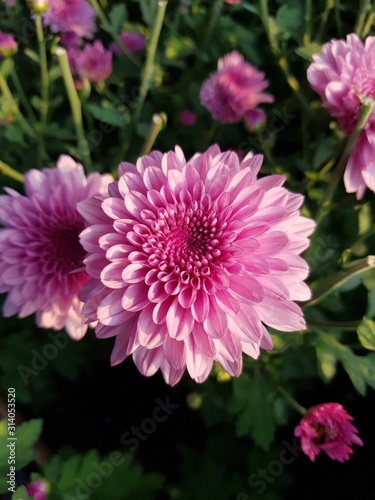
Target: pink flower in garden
point(254, 119)
point(233, 2)
point(41, 265)
point(8, 45)
point(187, 118)
point(132, 41)
point(70, 39)
point(342, 74)
point(327, 427)
point(93, 62)
point(71, 15)
point(234, 89)
point(38, 489)
point(189, 260)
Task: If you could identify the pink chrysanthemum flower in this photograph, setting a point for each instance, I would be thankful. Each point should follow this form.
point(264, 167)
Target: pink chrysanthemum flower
point(71, 15)
point(234, 89)
point(41, 259)
point(187, 118)
point(342, 74)
point(93, 62)
point(189, 260)
point(38, 489)
point(327, 427)
point(254, 119)
point(132, 41)
point(8, 45)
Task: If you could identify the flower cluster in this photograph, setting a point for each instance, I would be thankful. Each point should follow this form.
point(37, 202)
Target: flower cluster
point(189, 260)
point(41, 259)
point(236, 88)
point(327, 427)
point(343, 74)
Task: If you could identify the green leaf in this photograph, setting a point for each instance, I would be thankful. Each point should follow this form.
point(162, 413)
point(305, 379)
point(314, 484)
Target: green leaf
point(14, 134)
point(108, 114)
point(117, 16)
point(7, 67)
point(21, 494)
point(307, 50)
point(148, 10)
point(288, 21)
point(366, 334)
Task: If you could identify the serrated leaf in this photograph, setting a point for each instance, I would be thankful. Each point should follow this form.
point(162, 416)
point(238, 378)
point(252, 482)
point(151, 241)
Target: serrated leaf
point(366, 334)
point(117, 16)
point(108, 114)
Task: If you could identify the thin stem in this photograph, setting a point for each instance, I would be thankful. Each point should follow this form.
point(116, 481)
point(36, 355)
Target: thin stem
point(336, 281)
point(148, 71)
point(289, 399)
point(22, 96)
point(10, 172)
point(363, 9)
point(158, 123)
point(369, 22)
point(308, 10)
point(364, 114)
point(43, 70)
point(330, 4)
point(341, 325)
point(215, 15)
point(340, 29)
point(75, 105)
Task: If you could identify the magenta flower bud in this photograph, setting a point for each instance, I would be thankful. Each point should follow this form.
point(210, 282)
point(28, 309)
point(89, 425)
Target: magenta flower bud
point(8, 45)
point(187, 118)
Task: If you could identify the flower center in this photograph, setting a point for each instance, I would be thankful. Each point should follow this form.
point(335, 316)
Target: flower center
point(322, 433)
point(64, 252)
point(185, 241)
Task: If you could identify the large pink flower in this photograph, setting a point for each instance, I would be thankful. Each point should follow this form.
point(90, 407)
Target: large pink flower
point(75, 16)
point(234, 89)
point(342, 74)
point(190, 259)
point(41, 265)
point(327, 427)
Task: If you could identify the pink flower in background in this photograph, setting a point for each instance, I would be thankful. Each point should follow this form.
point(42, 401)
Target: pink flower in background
point(254, 119)
point(327, 427)
point(342, 74)
point(133, 42)
point(41, 259)
point(233, 2)
point(234, 89)
point(70, 39)
point(187, 118)
point(93, 62)
point(71, 15)
point(189, 260)
point(38, 489)
point(8, 45)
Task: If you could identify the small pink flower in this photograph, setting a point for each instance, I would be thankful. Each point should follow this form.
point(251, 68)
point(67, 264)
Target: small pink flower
point(38, 489)
point(233, 2)
point(41, 259)
point(234, 89)
point(327, 427)
point(342, 74)
point(71, 15)
point(70, 40)
point(187, 118)
point(190, 259)
point(93, 62)
point(133, 42)
point(254, 119)
point(8, 45)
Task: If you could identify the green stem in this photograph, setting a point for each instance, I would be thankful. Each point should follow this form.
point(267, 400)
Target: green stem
point(308, 10)
point(108, 27)
point(148, 71)
point(75, 105)
point(330, 4)
point(363, 9)
point(43, 70)
point(10, 172)
point(341, 325)
point(336, 281)
point(215, 15)
point(364, 114)
point(158, 123)
point(369, 22)
point(22, 96)
point(289, 399)
point(340, 29)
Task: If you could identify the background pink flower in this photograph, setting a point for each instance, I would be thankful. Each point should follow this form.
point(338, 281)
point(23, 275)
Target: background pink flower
point(8, 45)
point(37, 489)
point(327, 427)
point(341, 74)
point(189, 260)
point(187, 118)
point(41, 259)
point(93, 62)
point(132, 41)
point(75, 16)
point(234, 89)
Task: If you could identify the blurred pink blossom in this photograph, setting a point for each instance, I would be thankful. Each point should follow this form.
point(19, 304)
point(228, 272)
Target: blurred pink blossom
point(38, 489)
point(234, 89)
point(187, 118)
point(71, 15)
point(93, 62)
point(8, 45)
point(132, 41)
point(327, 427)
